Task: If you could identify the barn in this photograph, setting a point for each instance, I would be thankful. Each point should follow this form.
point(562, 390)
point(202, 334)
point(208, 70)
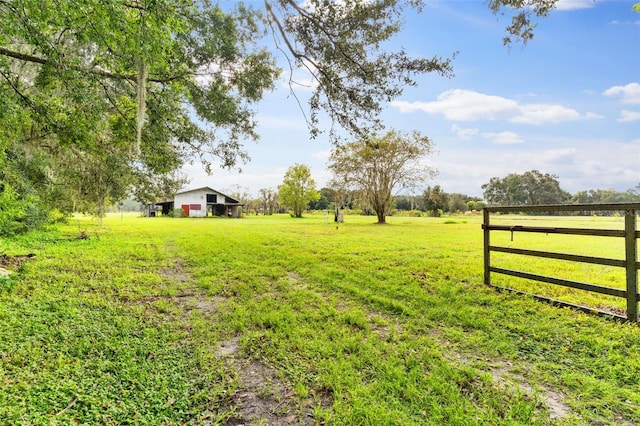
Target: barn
point(200, 202)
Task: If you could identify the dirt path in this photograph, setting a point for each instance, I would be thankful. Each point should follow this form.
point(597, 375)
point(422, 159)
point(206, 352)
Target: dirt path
point(262, 398)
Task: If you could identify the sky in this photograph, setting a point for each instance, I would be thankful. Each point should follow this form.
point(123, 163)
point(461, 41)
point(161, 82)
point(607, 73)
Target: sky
point(567, 103)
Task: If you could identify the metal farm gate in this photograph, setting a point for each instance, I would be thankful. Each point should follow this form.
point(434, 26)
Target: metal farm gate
point(630, 262)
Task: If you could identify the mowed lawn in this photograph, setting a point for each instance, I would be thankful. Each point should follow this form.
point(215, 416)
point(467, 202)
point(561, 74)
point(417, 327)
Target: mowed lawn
point(274, 320)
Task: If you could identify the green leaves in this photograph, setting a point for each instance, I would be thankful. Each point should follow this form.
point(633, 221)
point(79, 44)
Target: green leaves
point(530, 188)
point(341, 45)
point(157, 83)
point(522, 27)
point(107, 91)
point(380, 165)
point(298, 189)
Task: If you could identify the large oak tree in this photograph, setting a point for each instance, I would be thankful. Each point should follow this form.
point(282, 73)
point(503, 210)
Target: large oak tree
point(147, 85)
point(529, 188)
point(379, 165)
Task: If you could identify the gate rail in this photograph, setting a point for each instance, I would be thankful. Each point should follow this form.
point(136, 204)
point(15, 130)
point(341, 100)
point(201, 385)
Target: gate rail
point(630, 263)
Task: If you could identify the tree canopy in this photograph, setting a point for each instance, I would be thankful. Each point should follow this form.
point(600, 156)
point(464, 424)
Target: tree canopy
point(530, 188)
point(115, 96)
point(606, 196)
point(298, 189)
point(378, 166)
point(435, 200)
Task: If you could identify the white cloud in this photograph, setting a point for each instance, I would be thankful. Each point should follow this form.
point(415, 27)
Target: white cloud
point(558, 156)
point(467, 105)
point(498, 138)
point(574, 4)
point(299, 78)
point(579, 163)
point(463, 133)
point(629, 94)
point(321, 176)
point(300, 81)
point(542, 113)
point(462, 105)
point(626, 116)
point(503, 138)
point(549, 113)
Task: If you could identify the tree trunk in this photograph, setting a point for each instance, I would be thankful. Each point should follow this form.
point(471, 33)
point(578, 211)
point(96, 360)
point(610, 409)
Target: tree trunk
point(101, 210)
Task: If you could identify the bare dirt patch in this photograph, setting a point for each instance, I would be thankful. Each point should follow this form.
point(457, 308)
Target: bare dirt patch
point(294, 277)
point(384, 326)
point(13, 263)
point(190, 301)
point(261, 398)
point(190, 298)
point(506, 379)
point(554, 401)
point(175, 272)
point(228, 348)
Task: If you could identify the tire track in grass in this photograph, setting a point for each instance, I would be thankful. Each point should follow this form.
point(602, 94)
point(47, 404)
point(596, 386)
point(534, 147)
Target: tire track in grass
point(505, 376)
point(261, 397)
point(397, 300)
point(387, 327)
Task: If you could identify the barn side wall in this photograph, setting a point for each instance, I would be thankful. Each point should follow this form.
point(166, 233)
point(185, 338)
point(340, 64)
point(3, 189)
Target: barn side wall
point(193, 199)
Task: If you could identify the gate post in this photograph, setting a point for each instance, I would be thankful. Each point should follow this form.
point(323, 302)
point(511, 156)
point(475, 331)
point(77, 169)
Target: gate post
point(631, 260)
point(485, 226)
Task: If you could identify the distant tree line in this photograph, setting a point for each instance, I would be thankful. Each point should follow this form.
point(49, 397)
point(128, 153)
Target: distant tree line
point(606, 196)
point(529, 188)
point(536, 188)
point(433, 202)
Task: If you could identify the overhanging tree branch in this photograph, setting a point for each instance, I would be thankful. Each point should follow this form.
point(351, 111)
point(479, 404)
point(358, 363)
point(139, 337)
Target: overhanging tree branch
point(95, 71)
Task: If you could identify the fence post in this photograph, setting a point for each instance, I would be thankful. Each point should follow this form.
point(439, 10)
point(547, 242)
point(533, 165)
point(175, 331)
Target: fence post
point(485, 215)
point(631, 259)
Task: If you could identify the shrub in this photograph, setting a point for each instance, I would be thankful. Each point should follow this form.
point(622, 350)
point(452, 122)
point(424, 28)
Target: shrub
point(176, 213)
point(12, 213)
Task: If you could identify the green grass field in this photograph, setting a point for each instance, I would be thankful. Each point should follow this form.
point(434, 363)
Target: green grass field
point(275, 320)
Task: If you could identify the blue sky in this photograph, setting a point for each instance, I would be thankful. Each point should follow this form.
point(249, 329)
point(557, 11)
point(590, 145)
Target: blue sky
point(568, 103)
